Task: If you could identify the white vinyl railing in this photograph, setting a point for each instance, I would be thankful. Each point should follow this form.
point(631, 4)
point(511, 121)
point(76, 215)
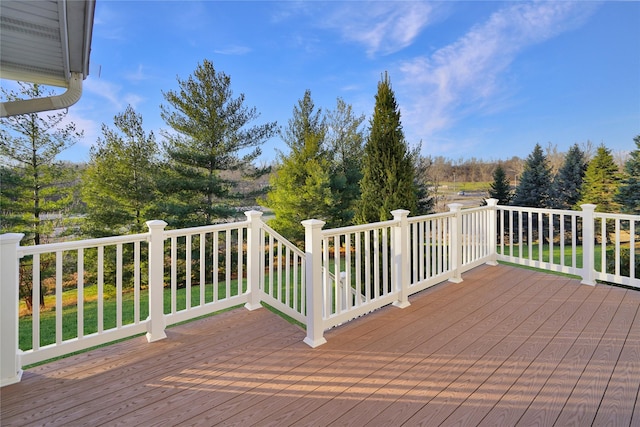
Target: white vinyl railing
point(283, 273)
point(617, 248)
point(589, 244)
point(541, 238)
point(56, 264)
point(116, 287)
point(355, 270)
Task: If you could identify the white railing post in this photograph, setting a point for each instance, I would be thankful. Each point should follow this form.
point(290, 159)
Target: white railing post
point(456, 242)
point(588, 244)
point(156, 325)
point(10, 366)
point(313, 282)
point(492, 242)
point(401, 256)
point(254, 252)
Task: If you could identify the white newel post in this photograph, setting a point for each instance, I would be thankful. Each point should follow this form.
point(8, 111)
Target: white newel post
point(588, 244)
point(492, 242)
point(456, 242)
point(10, 367)
point(401, 256)
point(156, 325)
point(254, 252)
point(313, 281)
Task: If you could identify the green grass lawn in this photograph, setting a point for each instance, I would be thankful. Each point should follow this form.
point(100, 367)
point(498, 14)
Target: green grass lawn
point(523, 252)
point(48, 316)
point(90, 318)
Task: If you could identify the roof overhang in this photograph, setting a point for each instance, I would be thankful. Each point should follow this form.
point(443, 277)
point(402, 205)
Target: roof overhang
point(46, 42)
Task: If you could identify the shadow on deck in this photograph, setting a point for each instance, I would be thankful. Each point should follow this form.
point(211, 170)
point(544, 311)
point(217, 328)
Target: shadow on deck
point(507, 346)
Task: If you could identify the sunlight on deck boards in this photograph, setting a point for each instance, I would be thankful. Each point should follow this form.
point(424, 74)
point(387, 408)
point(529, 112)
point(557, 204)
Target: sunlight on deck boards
point(506, 346)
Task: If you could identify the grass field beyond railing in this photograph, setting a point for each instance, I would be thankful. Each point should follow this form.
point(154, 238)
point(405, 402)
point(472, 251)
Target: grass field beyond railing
point(90, 318)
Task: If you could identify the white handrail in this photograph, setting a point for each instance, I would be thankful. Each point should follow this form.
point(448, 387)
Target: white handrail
point(342, 273)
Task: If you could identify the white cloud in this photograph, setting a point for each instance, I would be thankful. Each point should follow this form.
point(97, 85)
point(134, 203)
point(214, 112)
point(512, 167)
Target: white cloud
point(233, 50)
point(382, 27)
point(138, 75)
point(111, 92)
point(465, 76)
point(104, 89)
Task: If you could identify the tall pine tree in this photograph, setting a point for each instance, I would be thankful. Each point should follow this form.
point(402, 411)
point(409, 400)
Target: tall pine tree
point(211, 137)
point(119, 184)
point(535, 183)
point(567, 184)
point(388, 173)
point(345, 142)
point(628, 195)
point(601, 182)
point(301, 185)
point(32, 142)
point(500, 188)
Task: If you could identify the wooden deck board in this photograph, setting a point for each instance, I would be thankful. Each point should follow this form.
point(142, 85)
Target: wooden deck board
point(506, 346)
point(562, 335)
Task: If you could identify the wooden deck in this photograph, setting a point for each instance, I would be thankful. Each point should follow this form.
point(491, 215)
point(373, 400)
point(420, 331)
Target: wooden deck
point(505, 347)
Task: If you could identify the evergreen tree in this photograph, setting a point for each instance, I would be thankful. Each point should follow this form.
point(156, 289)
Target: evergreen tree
point(13, 213)
point(567, 184)
point(424, 181)
point(500, 188)
point(345, 141)
point(301, 185)
point(535, 183)
point(32, 142)
point(388, 173)
point(629, 191)
point(41, 185)
point(601, 182)
point(119, 185)
point(211, 135)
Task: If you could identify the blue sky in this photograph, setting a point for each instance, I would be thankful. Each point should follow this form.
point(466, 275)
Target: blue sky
point(472, 79)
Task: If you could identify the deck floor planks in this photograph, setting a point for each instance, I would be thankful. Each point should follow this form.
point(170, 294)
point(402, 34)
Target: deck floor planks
point(496, 339)
point(385, 340)
point(498, 350)
point(583, 403)
point(480, 401)
point(284, 398)
point(484, 319)
point(562, 336)
point(548, 404)
point(127, 384)
point(179, 386)
point(439, 354)
point(431, 333)
point(623, 391)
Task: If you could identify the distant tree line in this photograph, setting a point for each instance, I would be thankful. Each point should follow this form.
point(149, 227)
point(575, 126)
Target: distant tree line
point(336, 167)
point(577, 181)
